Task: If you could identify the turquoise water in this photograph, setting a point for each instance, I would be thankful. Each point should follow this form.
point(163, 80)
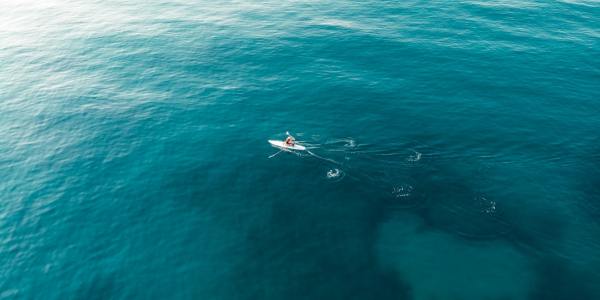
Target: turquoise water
point(454, 150)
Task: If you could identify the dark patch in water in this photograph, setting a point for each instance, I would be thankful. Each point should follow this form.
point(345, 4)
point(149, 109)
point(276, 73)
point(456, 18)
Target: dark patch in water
point(558, 280)
point(455, 205)
point(99, 287)
point(317, 252)
point(537, 232)
point(589, 183)
point(295, 244)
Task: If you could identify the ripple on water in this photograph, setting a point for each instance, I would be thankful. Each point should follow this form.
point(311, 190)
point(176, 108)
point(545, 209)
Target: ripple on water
point(404, 196)
point(467, 215)
point(402, 191)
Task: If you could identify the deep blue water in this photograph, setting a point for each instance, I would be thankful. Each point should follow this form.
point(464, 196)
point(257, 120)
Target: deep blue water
point(454, 149)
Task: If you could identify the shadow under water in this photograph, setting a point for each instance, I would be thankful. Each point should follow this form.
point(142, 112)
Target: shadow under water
point(316, 251)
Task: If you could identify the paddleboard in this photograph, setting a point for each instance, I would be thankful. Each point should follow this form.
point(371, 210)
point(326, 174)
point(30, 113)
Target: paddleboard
point(283, 145)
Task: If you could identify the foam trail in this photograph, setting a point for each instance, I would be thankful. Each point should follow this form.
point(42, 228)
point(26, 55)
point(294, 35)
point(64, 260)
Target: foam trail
point(323, 158)
point(306, 144)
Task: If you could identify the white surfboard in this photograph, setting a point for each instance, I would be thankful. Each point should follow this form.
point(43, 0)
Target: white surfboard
point(283, 145)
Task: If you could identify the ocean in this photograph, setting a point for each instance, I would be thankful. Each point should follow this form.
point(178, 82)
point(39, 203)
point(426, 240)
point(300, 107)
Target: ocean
point(453, 149)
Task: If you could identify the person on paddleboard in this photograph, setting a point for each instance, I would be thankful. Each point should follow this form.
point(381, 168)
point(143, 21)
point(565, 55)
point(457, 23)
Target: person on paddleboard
point(290, 141)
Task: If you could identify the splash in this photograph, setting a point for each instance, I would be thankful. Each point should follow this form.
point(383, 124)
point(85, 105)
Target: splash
point(402, 191)
point(416, 156)
point(335, 174)
point(350, 143)
point(487, 206)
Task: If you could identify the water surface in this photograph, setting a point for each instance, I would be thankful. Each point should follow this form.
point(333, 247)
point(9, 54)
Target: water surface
point(454, 150)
